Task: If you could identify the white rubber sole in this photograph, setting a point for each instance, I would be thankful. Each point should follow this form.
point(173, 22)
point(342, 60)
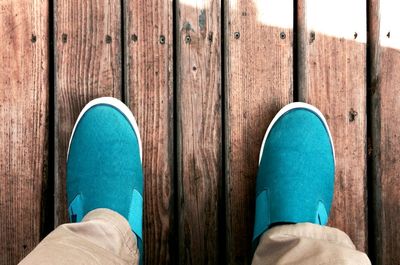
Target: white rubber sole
point(291, 106)
point(116, 103)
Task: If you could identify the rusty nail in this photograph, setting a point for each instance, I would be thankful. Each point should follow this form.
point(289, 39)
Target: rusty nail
point(162, 39)
point(134, 37)
point(312, 36)
point(352, 114)
point(108, 39)
point(64, 38)
point(210, 36)
point(282, 35)
point(33, 39)
point(237, 35)
point(188, 39)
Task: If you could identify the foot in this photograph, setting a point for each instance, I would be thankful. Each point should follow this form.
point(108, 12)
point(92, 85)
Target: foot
point(295, 179)
point(104, 168)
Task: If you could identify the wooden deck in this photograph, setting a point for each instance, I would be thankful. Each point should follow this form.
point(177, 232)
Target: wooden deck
point(203, 78)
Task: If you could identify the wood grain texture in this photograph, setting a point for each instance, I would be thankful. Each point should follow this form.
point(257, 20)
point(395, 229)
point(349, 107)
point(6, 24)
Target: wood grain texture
point(24, 95)
point(332, 76)
point(149, 90)
point(88, 65)
point(199, 131)
point(385, 120)
point(259, 81)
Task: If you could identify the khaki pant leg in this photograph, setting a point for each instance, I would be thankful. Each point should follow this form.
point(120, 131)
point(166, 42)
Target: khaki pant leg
point(307, 243)
point(103, 237)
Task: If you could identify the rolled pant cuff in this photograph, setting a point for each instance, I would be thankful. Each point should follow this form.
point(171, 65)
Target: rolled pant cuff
point(118, 222)
point(313, 231)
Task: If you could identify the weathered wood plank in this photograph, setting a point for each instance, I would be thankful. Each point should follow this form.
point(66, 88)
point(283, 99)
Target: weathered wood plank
point(332, 76)
point(24, 97)
point(88, 65)
point(385, 98)
point(259, 81)
point(149, 91)
point(199, 131)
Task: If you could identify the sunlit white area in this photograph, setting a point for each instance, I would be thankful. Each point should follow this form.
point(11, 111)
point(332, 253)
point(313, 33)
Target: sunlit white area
point(345, 19)
point(276, 13)
point(338, 18)
point(390, 23)
point(193, 3)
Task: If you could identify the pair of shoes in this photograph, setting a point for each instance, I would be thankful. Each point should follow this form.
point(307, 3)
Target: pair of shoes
point(295, 179)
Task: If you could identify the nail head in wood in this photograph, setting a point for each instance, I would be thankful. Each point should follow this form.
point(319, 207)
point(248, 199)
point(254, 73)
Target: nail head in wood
point(312, 36)
point(236, 34)
point(64, 38)
point(188, 39)
point(162, 39)
point(108, 39)
point(33, 38)
point(282, 35)
point(210, 36)
point(134, 37)
point(352, 114)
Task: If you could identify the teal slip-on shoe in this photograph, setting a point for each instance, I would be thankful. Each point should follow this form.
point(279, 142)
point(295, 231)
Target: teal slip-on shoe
point(104, 164)
point(296, 173)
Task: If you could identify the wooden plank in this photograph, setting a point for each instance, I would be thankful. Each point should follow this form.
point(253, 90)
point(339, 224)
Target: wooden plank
point(259, 81)
point(149, 77)
point(199, 131)
point(88, 65)
point(385, 98)
point(24, 97)
point(332, 76)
